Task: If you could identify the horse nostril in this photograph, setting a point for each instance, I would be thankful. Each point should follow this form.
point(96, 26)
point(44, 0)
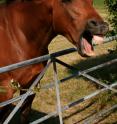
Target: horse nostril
point(92, 23)
point(98, 27)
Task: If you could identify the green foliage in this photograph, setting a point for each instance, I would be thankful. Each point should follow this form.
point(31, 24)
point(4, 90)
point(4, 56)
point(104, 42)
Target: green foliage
point(112, 8)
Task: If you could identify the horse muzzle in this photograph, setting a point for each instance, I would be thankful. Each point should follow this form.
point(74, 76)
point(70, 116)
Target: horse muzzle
point(97, 27)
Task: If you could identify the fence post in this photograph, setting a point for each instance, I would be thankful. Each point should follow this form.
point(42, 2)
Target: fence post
point(59, 110)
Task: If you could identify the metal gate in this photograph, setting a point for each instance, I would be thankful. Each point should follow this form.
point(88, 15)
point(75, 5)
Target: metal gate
point(52, 59)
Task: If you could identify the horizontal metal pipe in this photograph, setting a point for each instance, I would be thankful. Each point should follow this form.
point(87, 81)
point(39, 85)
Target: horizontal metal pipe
point(99, 82)
point(99, 66)
point(107, 39)
point(15, 99)
point(93, 119)
point(88, 96)
point(36, 60)
point(44, 58)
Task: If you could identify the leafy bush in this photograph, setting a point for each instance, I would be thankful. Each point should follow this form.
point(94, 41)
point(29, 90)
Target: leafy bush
point(112, 8)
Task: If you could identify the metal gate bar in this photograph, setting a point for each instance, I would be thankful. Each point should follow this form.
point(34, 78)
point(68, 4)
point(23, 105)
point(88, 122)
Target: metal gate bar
point(15, 99)
point(57, 92)
point(93, 119)
point(36, 60)
point(99, 82)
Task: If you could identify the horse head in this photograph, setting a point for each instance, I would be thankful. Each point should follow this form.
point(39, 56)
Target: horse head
point(80, 23)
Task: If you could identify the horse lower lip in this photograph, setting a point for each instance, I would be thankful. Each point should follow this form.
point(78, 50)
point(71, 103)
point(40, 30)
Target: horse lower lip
point(85, 49)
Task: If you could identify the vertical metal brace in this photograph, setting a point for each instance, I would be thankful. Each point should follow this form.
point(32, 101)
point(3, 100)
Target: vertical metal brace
point(59, 109)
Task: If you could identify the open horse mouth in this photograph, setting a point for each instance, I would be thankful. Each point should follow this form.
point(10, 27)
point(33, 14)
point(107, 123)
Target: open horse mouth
point(86, 43)
point(94, 34)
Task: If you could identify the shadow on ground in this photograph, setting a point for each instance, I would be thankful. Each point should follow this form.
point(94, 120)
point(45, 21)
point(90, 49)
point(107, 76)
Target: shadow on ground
point(106, 74)
point(36, 115)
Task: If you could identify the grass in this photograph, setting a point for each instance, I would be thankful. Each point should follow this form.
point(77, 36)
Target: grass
point(78, 87)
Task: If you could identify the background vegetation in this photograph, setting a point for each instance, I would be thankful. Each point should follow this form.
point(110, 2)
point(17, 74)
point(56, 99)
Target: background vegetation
point(112, 9)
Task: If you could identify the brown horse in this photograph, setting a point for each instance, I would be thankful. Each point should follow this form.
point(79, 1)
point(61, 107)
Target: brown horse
point(27, 28)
